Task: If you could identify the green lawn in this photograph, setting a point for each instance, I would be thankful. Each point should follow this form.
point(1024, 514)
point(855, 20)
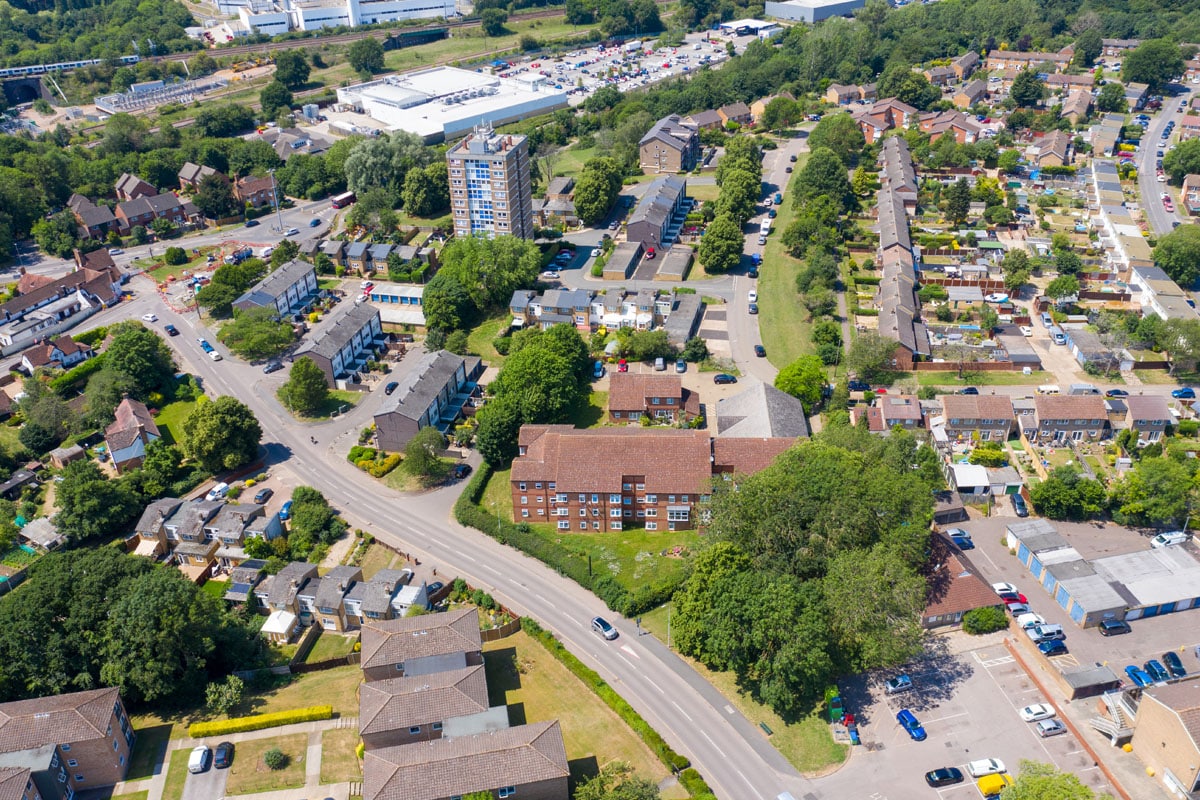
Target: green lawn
point(337, 398)
point(159, 270)
point(339, 762)
point(783, 323)
point(703, 191)
point(570, 160)
point(215, 588)
point(379, 557)
point(807, 744)
point(142, 795)
point(331, 645)
point(249, 775)
point(951, 379)
point(177, 773)
point(479, 340)
point(170, 419)
point(590, 413)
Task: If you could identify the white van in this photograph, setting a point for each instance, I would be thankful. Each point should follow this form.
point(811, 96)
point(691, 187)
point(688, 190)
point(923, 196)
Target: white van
point(1049, 388)
point(218, 491)
point(1169, 538)
point(198, 760)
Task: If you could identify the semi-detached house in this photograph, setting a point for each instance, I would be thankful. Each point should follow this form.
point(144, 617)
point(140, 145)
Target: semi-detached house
point(1059, 418)
point(982, 417)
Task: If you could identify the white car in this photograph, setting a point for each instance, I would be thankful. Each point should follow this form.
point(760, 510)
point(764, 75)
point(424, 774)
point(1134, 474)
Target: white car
point(115, 251)
point(1026, 330)
point(1031, 620)
point(996, 297)
point(1005, 588)
point(752, 297)
point(149, 318)
point(198, 759)
point(549, 274)
point(1168, 539)
point(595, 252)
point(1161, 178)
point(1036, 711)
point(292, 231)
point(986, 766)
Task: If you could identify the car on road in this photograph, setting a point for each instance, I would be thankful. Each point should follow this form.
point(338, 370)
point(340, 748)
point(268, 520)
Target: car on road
point(1037, 711)
point(391, 387)
point(968, 390)
point(1030, 620)
point(1174, 665)
point(1053, 647)
point(1026, 330)
point(788, 170)
point(1019, 507)
point(292, 232)
point(272, 366)
point(314, 223)
point(223, 757)
point(1114, 627)
point(115, 251)
point(251, 223)
point(149, 318)
point(898, 684)
point(724, 377)
point(753, 309)
point(171, 330)
point(263, 495)
point(214, 355)
point(752, 273)
point(911, 725)
point(792, 158)
point(1156, 670)
point(752, 296)
point(286, 511)
point(760, 351)
point(460, 471)
point(550, 274)
point(1169, 539)
point(985, 766)
point(996, 297)
point(600, 625)
point(199, 758)
point(1116, 393)
point(945, 776)
point(1138, 676)
point(596, 251)
point(1050, 727)
point(1184, 393)
point(612, 226)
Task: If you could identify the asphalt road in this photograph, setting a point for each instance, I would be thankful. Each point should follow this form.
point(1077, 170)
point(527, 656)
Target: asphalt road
point(1159, 219)
point(204, 785)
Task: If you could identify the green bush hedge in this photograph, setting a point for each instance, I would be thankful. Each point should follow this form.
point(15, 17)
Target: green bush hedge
point(555, 556)
point(979, 621)
point(690, 778)
point(77, 375)
point(256, 723)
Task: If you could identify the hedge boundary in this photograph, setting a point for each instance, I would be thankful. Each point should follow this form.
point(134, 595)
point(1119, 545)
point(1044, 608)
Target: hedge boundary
point(679, 765)
point(258, 722)
point(468, 512)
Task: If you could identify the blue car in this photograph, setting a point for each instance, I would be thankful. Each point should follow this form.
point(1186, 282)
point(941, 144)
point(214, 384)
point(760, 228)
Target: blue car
point(1053, 647)
point(909, 722)
point(963, 542)
point(1138, 677)
point(1186, 393)
point(1157, 670)
point(286, 511)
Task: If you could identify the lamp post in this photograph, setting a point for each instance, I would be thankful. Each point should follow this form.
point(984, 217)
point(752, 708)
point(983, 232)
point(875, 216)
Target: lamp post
point(275, 198)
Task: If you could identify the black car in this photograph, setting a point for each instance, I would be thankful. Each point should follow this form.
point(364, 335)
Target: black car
point(1116, 393)
point(753, 273)
point(272, 366)
point(461, 471)
point(859, 386)
point(760, 351)
point(432, 589)
point(724, 377)
point(969, 390)
point(263, 495)
point(946, 776)
point(1174, 665)
point(1019, 506)
point(391, 387)
point(753, 308)
point(1114, 627)
point(251, 223)
point(171, 330)
point(223, 755)
point(788, 170)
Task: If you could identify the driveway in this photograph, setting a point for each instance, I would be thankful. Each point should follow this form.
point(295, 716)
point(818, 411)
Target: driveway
point(205, 785)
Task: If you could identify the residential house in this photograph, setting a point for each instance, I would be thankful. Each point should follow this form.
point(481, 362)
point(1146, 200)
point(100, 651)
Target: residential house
point(196, 560)
point(343, 342)
point(375, 599)
point(737, 112)
point(1190, 195)
point(962, 127)
point(980, 417)
point(842, 95)
point(42, 533)
point(67, 744)
point(289, 142)
point(882, 116)
point(658, 397)
point(953, 586)
point(62, 353)
point(255, 192)
point(891, 411)
point(145, 210)
point(335, 249)
point(1058, 418)
point(526, 761)
point(1054, 150)
point(558, 208)
point(149, 537)
point(11, 489)
point(971, 94)
point(1148, 416)
point(94, 221)
point(242, 581)
point(759, 106)
point(671, 145)
point(16, 783)
point(234, 524)
point(761, 412)
point(131, 187)
point(1076, 106)
point(1117, 47)
point(358, 258)
point(288, 289)
point(192, 175)
point(423, 645)
point(735, 456)
point(898, 173)
point(1008, 59)
point(940, 76)
point(330, 608)
point(398, 711)
point(1167, 734)
point(1189, 127)
point(705, 120)
point(45, 308)
point(656, 219)
point(377, 256)
point(1070, 83)
point(436, 392)
point(1159, 294)
point(130, 434)
point(1137, 95)
point(279, 592)
point(965, 64)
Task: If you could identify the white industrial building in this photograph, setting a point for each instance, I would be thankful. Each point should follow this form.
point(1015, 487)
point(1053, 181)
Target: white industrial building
point(811, 11)
point(273, 17)
point(444, 102)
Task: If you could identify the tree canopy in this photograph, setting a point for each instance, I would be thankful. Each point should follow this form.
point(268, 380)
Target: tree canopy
point(221, 434)
point(306, 389)
point(257, 334)
point(1154, 62)
point(1178, 253)
point(478, 274)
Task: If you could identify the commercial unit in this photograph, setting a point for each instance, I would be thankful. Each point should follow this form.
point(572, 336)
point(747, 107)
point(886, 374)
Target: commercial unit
point(342, 343)
point(491, 193)
point(445, 102)
point(274, 18)
point(811, 11)
point(439, 390)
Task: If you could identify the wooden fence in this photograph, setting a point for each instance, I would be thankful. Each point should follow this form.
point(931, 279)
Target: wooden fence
point(967, 366)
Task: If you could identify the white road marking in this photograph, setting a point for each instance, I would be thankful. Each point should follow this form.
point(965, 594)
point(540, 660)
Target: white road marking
point(656, 686)
point(728, 709)
point(681, 711)
point(568, 616)
point(539, 597)
point(942, 719)
point(626, 660)
point(714, 744)
point(626, 648)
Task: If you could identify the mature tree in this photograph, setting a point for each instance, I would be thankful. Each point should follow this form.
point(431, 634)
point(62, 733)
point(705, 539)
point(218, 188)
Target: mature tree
point(780, 113)
point(223, 697)
point(1157, 491)
point(616, 781)
point(427, 191)
point(104, 392)
point(306, 389)
point(221, 434)
point(824, 175)
point(274, 98)
point(721, 246)
point(1178, 253)
point(124, 133)
point(90, 505)
point(1181, 339)
point(819, 300)
point(695, 350)
point(875, 601)
point(162, 466)
point(229, 281)
point(423, 455)
point(313, 521)
point(597, 188)
point(491, 269)
point(1155, 62)
point(1182, 160)
point(287, 250)
point(499, 421)
point(220, 121)
point(1027, 89)
point(366, 55)
point(257, 334)
point(543, 382)
point(803, 379)
point(646, 345)
point(44, 410)
point(871, 356)
point(841, 134)
point(291, 68)
point(1066, 494)
point(446, 304)
point(1088, 47)
point(1112, 98)
point(215, 198)
point(384, 161)
point(899, 81)
point(1062, 288)
point(144, 356)
point(958, 201)
point(492, 21)
point(827, 336)
point(57, 234)
point(1039, 781)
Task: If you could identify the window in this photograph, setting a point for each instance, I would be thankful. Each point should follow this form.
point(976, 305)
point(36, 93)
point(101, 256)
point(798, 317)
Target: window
point(66, 747)
point(537, 485)
point(616, 526)
point(595, 526)
point(651, 498)
point(72, 763)
point(670, 401)
point(628, 501)
point(614, 512)
point(683, 498)
point(583, 512)
point(583, 525)
point(79, 779)
point(507, 791)
point(541, 512)
point(628, 514)
point(521, 486)
point(641, 500)
point(583, 498)
point(655, 401)
point(414, 730)
point(595, 498)
point(614, 498)
point(641, 514)
point(563, 525)
point(651, 526)
point(641, 487)
point(437, 726)
point(677, 514)
point(651, 512)
point(525, 512)
point(670, 498)
point(400, 667)
point(595, 512)
point(524, 500)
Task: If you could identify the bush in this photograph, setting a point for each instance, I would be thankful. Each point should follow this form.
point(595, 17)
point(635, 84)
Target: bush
point(76, 375)
point(175, 256)
point(275, 759)
point(258, 722)
point(979, 621)
point(1188, 427)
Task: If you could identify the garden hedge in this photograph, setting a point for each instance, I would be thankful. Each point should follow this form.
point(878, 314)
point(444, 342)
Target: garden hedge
point(222, 727)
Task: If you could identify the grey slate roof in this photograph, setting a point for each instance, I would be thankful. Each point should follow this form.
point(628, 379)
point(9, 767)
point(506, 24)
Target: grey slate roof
point(338, 329)
point(670, 130)
point(155, 513)
point(276, 284)
point(893, 221)
point(761, 411)
point(334, 585)
point(658, 203)
point(286, 584)
point(419, 388)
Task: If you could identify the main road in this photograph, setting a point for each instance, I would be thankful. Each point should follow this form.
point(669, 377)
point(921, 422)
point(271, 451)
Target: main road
point(728, 750)
point(1160, 220)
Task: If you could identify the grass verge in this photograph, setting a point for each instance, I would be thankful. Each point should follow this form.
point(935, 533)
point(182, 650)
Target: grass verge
point(177, 773)
point(144, 795)
point(784, 324)
point(379, 557)
point(339, 762)
point(250, 775)
point(330, 645)
point(984, 378)
point(806, 744)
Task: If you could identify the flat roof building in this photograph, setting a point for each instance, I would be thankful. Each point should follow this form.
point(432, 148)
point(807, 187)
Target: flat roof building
point(811, 11)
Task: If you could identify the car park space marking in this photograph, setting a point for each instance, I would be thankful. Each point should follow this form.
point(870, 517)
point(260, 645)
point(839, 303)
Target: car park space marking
point(1068, 660)
point(681, 711)
point(943, 719)
point(988, 663)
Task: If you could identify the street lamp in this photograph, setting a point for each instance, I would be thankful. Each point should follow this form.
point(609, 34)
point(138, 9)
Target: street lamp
point(275, 198)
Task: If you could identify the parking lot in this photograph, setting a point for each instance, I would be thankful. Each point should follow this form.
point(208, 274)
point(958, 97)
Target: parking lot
point(967, 697)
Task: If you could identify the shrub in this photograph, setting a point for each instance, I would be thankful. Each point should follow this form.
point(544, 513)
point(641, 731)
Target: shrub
point(275, 759)
point(1188, 427)
point(258, 722)
point(979, 621)
point(175, 256)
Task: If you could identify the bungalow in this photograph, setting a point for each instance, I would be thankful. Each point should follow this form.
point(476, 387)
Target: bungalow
point(42, 533)
point(192, 175)
point(130, 434)
point(1148, 416)
point(953, 586)
point(971, 94)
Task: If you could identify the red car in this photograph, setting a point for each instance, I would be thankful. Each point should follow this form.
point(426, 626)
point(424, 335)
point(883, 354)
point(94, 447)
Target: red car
point(1009, 599)
point(622, 366)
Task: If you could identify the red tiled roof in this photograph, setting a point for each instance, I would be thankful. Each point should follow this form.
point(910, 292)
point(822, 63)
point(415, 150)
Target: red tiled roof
point(628, 391)
point(132, 420)
point(395, 641)
point(954, 585)
point(747, 456)
point(58, 719)
point(1063, 406)
point(977, 406)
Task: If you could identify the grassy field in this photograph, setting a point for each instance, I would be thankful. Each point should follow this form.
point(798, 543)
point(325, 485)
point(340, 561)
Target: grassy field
point(144, 795)
point(215, 588)
point(536, 687)
point(249, 775)
point(479, 340)
point(330, 645)
point(337, 398)
point(591, 413)
point(1160, 377)
point(379, 557)
point(703, 191)
point(984, 379)
point(170, 419)
point(177, 773)
point(159, 270)
point(784, 323)
point(634, 556)
point(339, 763)
point(807, 744)
point(570, 161)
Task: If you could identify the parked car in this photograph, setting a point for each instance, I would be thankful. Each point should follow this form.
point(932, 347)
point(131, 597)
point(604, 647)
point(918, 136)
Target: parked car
point(1114, 627)
point(1046, 633)
point(1011, 598)
point(1018, 504)
point(171, 330)
point(550, 274)
point(1116, 393)
point(272, 366)
point(224, 755)
point(1005, 588)
point(1050, 727)
point(149, 318)
point(969, 390)
point(945, 776)
point(433, 588)
point(461, 471)
point(996, 297)
point(251, 223)
point(1138, 676)
point(1053, 647)
point(962, 542)
point(650, 253)
point(115, 251)
point(598, 370)
point(391, 387)
point(1169, 539)
point(1037, 711)
point(217, 492)
point(752, 273)
point(859, 386)
point(911, 725)
point(898, 684)
point(985, 766)
point(1016, 610)
point(1174, 665)
point(292, 232)
point(286, 511)
point(1157, 670)
point(199, 758)
point(263, 495)
point(1026, 330)
point(724, 377)
point(600, 625)
point(1184, 393)
point(753, 308)
point(1030, 620)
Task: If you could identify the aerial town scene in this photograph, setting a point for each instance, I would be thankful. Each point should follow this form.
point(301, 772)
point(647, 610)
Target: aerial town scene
point(599, 400)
